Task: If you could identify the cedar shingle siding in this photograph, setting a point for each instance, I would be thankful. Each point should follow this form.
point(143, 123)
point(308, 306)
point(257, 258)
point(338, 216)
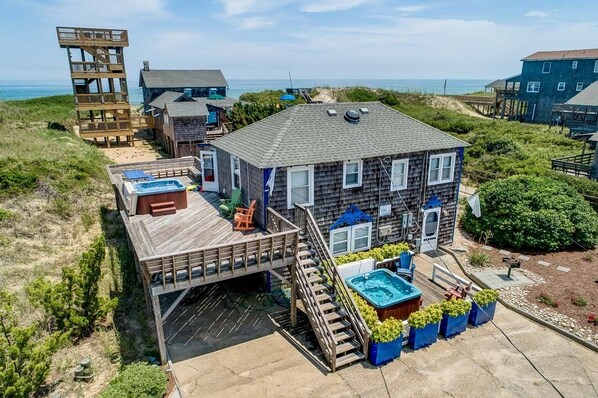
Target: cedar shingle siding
point(190, 128)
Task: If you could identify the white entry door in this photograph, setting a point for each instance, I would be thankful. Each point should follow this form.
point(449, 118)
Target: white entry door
point(430, 232)
point(209, 171)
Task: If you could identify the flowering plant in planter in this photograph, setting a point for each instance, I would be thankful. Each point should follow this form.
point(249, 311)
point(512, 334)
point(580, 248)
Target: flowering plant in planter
point(484, 305)
point(386, 340)
point(454, 316)
point(424, 324)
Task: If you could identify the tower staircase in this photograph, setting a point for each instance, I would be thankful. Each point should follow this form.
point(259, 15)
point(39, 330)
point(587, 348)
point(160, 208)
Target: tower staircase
point(339, 327)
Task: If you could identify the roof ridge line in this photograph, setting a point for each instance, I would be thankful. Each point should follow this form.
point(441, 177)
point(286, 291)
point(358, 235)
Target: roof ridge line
point(279, 136)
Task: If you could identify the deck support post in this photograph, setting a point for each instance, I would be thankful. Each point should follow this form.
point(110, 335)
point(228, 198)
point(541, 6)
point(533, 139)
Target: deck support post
point(159, 328)
point(294, 294)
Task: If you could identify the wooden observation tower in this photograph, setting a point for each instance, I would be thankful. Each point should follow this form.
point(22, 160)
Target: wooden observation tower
point(97, 66)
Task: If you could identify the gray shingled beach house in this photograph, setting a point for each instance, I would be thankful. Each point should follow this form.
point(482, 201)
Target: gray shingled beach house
point(371, 175)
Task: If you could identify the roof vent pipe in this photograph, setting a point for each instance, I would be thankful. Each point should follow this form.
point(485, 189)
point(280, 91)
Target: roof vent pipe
point(146, 66)
point(352, 116)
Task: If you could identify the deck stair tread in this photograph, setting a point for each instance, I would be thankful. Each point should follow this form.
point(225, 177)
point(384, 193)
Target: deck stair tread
point(306, 253)
point(348, 346)
point(316, 279)
point(320, 298)
point(321, 286)
point(335, 326)
point(349, 358)
point(312, 270)
point(162, 211)
point(329, 306)
point(343, 335)
point(307, 262)
point(333, 316)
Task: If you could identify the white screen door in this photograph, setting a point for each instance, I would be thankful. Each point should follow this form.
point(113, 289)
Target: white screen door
point(430, 232)
point(209, 172)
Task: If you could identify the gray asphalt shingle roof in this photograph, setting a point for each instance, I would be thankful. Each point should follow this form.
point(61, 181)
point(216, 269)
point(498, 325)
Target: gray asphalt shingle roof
point(225, 103)
point(306, 134)
point(165, 78)
point(186, 109)
point(165, 98)
point(588, 96)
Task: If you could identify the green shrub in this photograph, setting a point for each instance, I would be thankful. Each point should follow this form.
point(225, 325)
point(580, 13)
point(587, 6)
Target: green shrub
point(24, 355)
point(361, 94)
point(387, 331)
point(537, 213)
point(579, 301)
point(544, 298)
point(426, 316)
point(478, 258)
point(455, 307)
point(485, 297)
point(74, 304)
point(139, 380)
point(382, 332)
point(377, 253)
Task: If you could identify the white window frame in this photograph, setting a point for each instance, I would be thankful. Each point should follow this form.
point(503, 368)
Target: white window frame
point(579, 86)
point(561, 86)
point(441, 158)
point(596, 66)
point(350, 238)
point(359, 173)
point(549, 64)
point(233, 160)
point(533, 87)
point(574, 65)
point(332, 241)
point(310, 176)
point(394, 187)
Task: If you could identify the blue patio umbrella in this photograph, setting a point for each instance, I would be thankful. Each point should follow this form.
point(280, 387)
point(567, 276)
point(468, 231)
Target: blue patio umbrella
point(287, 97)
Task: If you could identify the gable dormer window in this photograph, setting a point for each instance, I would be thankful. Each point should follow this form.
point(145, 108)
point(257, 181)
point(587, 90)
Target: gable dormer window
point(352, 172)
point(546, 67)
point(188, 92)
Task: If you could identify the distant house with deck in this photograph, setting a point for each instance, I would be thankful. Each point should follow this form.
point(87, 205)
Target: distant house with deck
point(369, 174)
point(554, 77)
point(195, 83)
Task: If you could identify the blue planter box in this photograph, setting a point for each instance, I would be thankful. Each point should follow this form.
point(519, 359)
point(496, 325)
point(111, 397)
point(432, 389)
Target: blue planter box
point(481, 314)
point(422, 337)
point(381, 353)
point(453, 325)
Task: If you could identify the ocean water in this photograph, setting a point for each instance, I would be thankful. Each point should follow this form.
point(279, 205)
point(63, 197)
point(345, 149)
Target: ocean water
point(26, 89)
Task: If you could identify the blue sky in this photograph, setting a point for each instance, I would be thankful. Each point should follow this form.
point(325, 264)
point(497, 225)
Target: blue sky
point(344, 39)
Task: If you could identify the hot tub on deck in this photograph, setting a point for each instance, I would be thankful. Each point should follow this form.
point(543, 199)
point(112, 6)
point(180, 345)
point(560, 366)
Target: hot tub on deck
point(387, 292)
point(159, 191)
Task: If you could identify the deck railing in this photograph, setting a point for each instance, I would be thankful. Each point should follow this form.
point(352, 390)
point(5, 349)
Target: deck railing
point(91, 36)
point(276, 223)
point(211, 264)
point(577, 164)
point(104, 127)
point(97, 67)
point(102, 98)
point(306, 222)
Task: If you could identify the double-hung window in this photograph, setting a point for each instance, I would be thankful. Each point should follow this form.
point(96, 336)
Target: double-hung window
point(596, 66)
point(574, 65)
point(546, 67)
point(235, 169)
point(351, 239)
point(442, 169)
point(352, 172)
point(300, 186)
point(533, 87)
point(561, 86)
point(398, 174)
point(579, 86)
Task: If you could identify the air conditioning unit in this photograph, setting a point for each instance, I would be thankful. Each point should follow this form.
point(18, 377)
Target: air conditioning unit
point(385, 230)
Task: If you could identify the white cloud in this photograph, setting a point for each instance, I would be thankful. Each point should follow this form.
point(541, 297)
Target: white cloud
point(75, 10)
point(413, 8)
point(537, 14)
point(251, 23)
point(332, 5)
point(234, 8)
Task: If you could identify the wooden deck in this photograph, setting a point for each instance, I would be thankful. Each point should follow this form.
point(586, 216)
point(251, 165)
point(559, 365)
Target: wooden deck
point(199, 225)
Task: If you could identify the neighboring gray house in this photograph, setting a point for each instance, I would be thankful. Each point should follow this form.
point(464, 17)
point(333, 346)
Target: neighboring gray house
point(370, 174)
point(195, 83)
point(182, 122)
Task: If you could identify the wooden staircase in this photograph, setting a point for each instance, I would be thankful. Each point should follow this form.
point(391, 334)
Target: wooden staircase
point(162, 208)
point(338, 325)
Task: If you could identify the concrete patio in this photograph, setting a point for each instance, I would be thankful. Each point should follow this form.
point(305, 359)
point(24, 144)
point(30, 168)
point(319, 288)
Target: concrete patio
point(480, 362)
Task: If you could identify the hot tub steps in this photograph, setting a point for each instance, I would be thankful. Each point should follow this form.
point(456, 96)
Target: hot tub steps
point(162, 208)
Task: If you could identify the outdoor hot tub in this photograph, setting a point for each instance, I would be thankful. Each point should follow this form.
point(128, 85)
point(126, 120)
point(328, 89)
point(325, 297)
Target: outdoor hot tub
point(387, 292)
point(159, 191)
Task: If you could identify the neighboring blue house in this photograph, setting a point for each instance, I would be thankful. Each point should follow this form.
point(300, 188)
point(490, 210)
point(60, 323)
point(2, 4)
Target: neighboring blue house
point(554, 77)
point(194, 83)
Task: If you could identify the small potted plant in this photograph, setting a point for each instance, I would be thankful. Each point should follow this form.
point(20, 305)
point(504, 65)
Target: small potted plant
point(454, 316)
point(483, 306)
point(386, 341)
point(423, 325)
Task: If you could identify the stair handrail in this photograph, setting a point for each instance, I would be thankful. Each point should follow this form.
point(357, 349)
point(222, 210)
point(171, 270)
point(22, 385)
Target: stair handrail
point(328, 336)
point(305, 220)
